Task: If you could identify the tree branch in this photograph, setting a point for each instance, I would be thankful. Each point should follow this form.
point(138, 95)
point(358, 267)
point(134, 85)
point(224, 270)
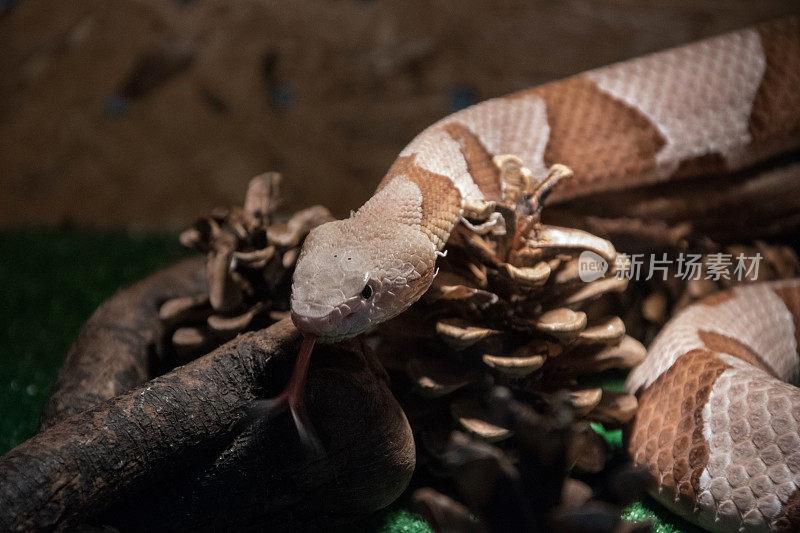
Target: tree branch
point(184, 451)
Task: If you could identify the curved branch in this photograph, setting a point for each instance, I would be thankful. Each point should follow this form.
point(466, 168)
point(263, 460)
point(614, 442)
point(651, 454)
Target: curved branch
point(116, 348)
point(183, 452)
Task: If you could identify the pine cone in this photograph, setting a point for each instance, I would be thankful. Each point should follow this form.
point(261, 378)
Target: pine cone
point(250, 259)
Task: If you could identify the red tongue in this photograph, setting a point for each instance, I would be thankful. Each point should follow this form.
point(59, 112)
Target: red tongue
point(295, 396)
point(295, 388)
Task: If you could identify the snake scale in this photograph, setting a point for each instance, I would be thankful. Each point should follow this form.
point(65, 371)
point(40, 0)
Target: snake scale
point(719, 422)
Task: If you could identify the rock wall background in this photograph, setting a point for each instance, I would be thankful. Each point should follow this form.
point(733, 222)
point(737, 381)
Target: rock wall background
point(145, 114)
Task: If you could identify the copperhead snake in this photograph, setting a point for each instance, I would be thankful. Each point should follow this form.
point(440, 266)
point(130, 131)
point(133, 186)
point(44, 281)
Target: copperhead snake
point(719, 424)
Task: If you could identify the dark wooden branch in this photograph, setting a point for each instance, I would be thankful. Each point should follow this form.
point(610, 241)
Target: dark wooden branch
point(116, 348)
point(185, 452)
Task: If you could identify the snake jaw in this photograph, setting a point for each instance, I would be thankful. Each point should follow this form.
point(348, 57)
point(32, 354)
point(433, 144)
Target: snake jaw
point(305, 324)
point(338, 324)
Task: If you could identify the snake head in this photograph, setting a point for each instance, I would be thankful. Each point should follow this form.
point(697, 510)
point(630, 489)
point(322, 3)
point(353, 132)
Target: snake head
point(351, 276)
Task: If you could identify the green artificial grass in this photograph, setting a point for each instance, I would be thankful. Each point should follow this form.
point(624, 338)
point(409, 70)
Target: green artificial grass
point(663, 520)
point(52, 280)
point(403, 521)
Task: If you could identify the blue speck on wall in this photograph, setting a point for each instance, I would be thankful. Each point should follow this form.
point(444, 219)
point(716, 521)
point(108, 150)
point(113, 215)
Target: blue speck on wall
point(116, 106)
point(281, 96)
point(462, 96)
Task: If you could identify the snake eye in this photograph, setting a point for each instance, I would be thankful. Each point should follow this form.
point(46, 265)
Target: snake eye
point(366, 292)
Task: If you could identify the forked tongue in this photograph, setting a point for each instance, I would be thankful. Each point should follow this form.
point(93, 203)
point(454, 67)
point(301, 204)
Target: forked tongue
point(296, 397)
point(293, 397)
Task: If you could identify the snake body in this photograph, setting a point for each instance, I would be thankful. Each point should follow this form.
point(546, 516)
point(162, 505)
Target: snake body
point(718, 424)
